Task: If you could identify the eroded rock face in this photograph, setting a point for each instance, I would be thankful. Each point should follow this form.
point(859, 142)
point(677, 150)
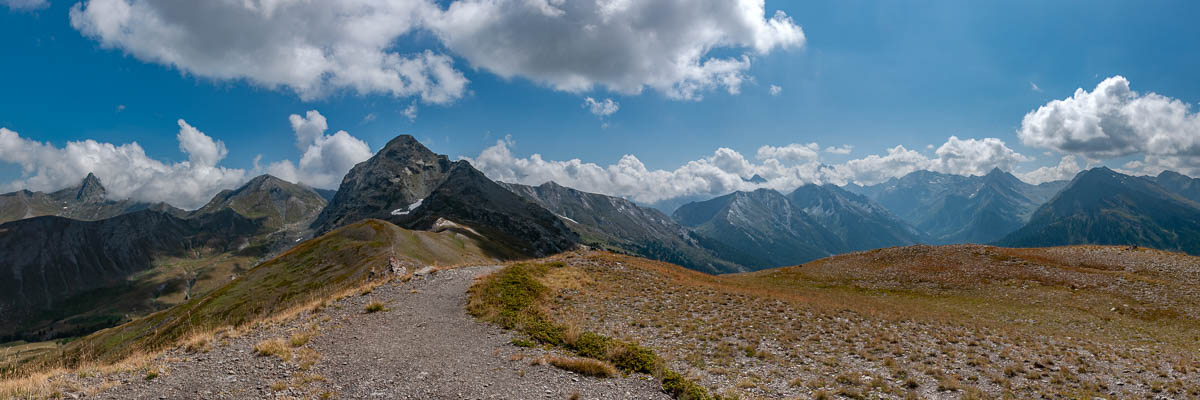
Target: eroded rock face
point(409, 185)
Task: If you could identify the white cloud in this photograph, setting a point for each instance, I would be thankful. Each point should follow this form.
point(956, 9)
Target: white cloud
point(783, 167)
point(25, 5)
point(310, 48)
point(624, 46)
point(794, 152)
point(975, 157)
point(315, 48)
point(1114, 121)
point(410, 111)
point(326, 158)
point(1066, 169)
point(601, 109)
point(125, 170)
point(842, 150)
point(775, 90)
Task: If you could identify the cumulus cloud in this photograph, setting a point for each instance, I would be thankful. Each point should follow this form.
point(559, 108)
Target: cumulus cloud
point(601, 108)
point(125, 170)
point(1114, 121)
point(624, 46)
point(783, 167)
point(794, 152)
point(1066, 169)
point(975, 157)
point(326, 158)
point(310, 48)
point(315, 48)
point(775, 90)
point(842, 150)
point(25, 5)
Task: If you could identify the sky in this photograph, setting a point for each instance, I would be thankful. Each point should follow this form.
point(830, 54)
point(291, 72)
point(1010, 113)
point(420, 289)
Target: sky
point(174, 100)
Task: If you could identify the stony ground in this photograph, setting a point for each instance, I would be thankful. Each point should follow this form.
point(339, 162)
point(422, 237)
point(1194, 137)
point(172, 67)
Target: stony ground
point(423, 345)
point(1035, 328)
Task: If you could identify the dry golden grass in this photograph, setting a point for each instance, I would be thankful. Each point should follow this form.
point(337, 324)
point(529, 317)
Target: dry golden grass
point(274, 347)
point(583, 366)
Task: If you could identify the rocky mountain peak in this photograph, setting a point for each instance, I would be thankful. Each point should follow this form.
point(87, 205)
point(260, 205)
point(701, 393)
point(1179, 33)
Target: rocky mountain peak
point(90, 190)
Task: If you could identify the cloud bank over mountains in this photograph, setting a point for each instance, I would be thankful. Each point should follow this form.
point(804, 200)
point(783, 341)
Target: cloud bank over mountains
point(317, 48)
point(129, 173)
point(784, 168)
point(125, 170)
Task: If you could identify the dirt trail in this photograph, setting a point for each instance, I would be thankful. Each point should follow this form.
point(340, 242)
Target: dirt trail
point(424, 346)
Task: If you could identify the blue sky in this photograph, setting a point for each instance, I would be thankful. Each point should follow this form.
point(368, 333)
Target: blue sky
point(872, 75)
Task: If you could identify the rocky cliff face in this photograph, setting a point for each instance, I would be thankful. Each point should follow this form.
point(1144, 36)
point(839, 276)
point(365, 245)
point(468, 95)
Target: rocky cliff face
point(409, 185)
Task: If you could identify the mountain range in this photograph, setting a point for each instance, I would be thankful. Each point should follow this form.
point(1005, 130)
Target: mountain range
point(961, 209)
point(75, 260)
point(617, 224)
point(87, 201)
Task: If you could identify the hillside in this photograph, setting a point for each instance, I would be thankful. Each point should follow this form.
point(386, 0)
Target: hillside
point(961, 321)
point(618, 224)
point(759, 229)
point(409, 185)
point(1101, 206)
point(63, 277)
point(343, 259)
point(87, 201)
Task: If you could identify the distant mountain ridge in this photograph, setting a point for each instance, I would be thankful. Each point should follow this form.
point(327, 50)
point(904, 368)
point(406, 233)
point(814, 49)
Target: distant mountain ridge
point(761, 229)
point(1101, 206)
point(280, 202)
point(859, 222)
point(87, 201)
point(619, 224)
point(961, 209)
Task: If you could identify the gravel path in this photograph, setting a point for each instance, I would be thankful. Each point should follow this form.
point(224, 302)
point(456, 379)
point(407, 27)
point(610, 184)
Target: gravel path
point(424, 346)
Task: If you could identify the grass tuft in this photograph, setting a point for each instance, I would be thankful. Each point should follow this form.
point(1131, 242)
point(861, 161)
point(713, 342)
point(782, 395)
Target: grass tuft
point(273, 347)
point(584, 366)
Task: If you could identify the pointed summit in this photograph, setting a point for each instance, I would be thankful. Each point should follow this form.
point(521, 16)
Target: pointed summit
point(90, 190)
point(409, 185)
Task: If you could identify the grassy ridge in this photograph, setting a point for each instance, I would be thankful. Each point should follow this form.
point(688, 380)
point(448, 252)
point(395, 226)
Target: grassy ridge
point(514, 299)
point(314, 270)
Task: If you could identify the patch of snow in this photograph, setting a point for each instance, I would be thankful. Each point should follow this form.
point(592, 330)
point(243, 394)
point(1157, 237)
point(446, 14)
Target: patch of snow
point(411, 207)
point(567, 218)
